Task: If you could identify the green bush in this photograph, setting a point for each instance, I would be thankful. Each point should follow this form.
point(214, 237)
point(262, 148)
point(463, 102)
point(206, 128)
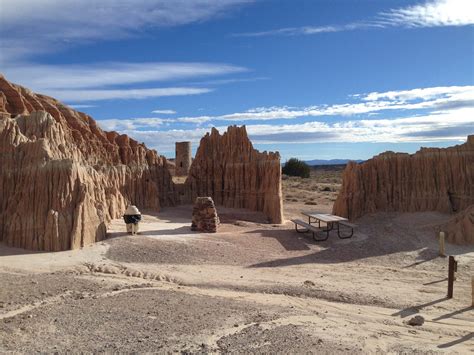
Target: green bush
point(296, 167)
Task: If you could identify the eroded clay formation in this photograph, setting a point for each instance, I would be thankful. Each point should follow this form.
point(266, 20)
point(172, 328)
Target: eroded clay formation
point(229, 169)
point(460, 229)
point(432, 179)
point(62, 178)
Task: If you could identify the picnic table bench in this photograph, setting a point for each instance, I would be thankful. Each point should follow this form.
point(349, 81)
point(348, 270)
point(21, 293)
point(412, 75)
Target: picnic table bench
point(332, 221)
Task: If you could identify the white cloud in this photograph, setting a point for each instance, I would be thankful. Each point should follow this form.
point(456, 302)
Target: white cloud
point(81, 106)
point(433, 13)
point(29, 28)
point(444, 113)
point(104, 81)
point(164, 112)
point(435, 98)
point(447, 125)
point(130, 124)
point(125, 94)
point(441, 126)
point(45, 77)
point(420, 93)
point(33, 26)
point(309, 30)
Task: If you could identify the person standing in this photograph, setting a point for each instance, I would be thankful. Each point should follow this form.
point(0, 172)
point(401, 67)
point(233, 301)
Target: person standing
point(132, 217)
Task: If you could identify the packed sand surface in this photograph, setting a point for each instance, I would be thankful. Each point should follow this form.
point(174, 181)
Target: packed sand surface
point(251, 287)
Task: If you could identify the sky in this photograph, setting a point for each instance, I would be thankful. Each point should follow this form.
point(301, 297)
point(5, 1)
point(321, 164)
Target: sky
point(312, 79)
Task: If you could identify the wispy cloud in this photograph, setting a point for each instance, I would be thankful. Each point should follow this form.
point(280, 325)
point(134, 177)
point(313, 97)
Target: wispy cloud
point(410, 129)
point(93, 75)
point(431, 114)
point(130, 124)
point(105, 81)
point(425, 94)
point(309, 30)
point(30, 26)
point(229, 81)
point(433, 127)
point(74, 106)
point(432, 13)
point(164, 112)
point(78, 95)
point(436, 99)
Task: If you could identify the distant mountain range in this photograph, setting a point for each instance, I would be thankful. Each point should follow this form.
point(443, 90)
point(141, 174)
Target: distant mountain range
point(331, 161)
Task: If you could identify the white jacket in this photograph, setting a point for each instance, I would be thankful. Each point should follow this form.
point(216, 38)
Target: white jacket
point(132, 210)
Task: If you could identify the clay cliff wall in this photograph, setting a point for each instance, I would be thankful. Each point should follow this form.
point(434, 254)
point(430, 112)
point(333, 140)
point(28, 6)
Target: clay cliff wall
point(460, 229)
point(62, 178)
point(228, 169)
point(432, 179)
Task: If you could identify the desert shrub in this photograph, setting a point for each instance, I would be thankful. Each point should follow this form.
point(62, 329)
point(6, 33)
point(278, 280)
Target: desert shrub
point(296, 167)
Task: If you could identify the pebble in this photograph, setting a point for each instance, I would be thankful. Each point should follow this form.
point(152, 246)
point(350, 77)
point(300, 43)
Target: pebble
point(416, 321)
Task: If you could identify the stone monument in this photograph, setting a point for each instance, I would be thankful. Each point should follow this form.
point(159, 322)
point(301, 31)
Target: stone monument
point(205, 217)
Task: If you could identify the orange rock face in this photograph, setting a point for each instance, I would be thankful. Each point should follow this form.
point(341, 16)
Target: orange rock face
point(433, 179)
point(62, 178)
point(234, 174)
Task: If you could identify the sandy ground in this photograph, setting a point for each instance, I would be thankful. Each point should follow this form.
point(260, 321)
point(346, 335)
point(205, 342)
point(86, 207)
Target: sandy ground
point(251, 287)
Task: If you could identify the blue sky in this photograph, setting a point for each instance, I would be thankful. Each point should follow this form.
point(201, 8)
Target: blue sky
point(313, 79)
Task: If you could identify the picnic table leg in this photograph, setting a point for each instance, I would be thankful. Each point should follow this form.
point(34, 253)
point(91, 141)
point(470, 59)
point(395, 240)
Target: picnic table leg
point(320, 239)
point(346, 237)
point(327, 230)
point(300, 231)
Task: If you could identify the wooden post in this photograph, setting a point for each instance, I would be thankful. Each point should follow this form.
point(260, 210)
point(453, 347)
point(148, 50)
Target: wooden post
point(451, 267)
point(441, 244)
point(472, 290)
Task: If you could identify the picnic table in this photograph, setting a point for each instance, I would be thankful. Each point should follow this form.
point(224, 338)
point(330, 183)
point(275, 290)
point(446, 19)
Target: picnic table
point(332, 222)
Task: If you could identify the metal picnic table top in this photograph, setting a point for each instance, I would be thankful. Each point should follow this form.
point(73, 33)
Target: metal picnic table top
point(324, 217)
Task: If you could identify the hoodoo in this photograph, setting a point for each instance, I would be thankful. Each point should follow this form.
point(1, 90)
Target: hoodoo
point(229, 169)
point(63, 178)
point(432, 179)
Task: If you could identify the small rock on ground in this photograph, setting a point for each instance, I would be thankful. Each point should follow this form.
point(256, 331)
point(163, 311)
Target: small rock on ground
point(416, 321)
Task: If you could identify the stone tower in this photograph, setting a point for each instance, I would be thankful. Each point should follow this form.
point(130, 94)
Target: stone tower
point(183, 158)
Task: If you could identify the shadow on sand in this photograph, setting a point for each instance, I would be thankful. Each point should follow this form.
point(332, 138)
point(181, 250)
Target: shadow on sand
point(335, 250)
point(457, 341)
point(290, 243)
point(416, 309)
point(7, 251)
point(452, 314)
point(158, 232)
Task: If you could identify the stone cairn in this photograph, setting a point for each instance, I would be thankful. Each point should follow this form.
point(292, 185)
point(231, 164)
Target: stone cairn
point(205, 217)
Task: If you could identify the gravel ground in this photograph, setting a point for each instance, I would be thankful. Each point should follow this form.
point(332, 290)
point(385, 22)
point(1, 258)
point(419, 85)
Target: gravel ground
point(250, 288)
